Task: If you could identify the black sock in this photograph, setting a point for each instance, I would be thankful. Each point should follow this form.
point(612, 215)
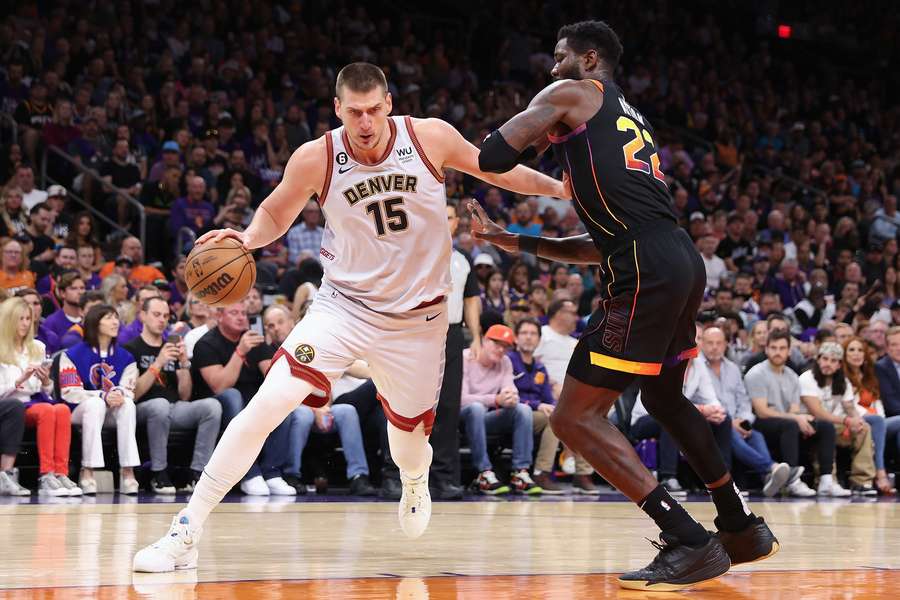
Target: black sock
point(734, 514)
point(672, 519)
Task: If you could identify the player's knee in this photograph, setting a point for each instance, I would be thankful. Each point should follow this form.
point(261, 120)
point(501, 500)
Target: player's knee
point(562, 422)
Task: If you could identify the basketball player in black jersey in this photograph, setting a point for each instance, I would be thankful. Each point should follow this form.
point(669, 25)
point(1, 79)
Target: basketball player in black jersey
point(653, 282)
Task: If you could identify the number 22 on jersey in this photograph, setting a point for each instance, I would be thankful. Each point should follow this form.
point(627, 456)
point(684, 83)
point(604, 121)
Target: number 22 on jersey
point(632, 148)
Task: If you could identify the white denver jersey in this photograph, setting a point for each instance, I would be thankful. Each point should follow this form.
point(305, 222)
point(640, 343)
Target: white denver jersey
point(386, 241)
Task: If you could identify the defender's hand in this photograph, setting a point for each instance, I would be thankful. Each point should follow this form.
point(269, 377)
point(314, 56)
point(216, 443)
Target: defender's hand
point(485, 229)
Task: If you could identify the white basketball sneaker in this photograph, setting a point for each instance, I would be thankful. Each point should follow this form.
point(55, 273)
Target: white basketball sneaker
point(175, 550)
point(415, 503)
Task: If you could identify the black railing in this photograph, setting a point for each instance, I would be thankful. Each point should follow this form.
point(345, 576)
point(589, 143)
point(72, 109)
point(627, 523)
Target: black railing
point(88, 172)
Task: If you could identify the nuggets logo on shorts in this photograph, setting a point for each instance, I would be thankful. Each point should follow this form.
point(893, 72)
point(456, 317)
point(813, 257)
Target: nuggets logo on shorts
point(304, 353)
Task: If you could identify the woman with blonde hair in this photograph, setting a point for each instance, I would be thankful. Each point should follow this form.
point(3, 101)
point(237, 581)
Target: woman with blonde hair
point(24, 374)
point(12, 213)
point(97, 377)
point(115, 293)
point(859, 365)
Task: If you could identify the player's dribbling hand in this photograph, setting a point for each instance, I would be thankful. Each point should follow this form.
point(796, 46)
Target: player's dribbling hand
point(485, 229)
point(217, 235)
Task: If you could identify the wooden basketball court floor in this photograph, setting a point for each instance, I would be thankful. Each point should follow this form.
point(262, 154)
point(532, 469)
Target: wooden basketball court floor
point(493, 549)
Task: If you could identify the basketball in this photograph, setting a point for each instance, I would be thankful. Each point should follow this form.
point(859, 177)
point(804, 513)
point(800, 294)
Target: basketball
point(220, 273)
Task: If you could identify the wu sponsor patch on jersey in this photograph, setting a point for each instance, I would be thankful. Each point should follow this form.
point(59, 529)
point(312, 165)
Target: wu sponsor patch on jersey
point(405, 154)
point(304, 353)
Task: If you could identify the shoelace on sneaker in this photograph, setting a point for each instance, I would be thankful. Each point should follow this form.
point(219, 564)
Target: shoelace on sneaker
point(664, 548)
point(179, 536)
point(413, 488)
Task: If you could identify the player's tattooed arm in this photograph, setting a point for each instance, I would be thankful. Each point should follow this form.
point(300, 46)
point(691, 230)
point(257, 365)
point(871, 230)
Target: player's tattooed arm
point(574, 250)
point(549, 107)
point(448, 149)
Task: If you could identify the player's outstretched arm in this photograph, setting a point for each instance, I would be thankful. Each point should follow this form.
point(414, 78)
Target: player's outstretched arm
point(304, 176)
point(575, 250)
point(523, 136)
point(448, 149)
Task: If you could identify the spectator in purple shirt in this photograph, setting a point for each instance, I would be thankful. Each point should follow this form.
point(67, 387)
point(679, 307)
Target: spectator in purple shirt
point(258, 149)
point(85, 260)
point(790, 284)
point(533, 383)
point(169, 157)
point(193, 211)
point(70, 289)
point(75, 334)
point(134, 329)
point(64, 261)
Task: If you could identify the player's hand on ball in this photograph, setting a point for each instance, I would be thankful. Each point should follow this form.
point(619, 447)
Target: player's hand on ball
point(485, 229)
point(217, 235)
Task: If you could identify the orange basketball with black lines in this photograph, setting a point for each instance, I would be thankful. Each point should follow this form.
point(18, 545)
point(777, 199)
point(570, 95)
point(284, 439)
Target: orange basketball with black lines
point(220, 273)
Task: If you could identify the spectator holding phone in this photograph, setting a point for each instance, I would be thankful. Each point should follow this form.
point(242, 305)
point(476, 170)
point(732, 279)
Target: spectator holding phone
point(25, 373)
point(163, 394)
point(230, 362)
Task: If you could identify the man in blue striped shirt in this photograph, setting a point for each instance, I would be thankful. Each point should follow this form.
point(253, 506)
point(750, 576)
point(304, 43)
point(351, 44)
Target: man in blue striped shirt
point(747, 445)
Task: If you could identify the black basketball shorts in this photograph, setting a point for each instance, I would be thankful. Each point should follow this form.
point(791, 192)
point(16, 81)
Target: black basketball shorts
point(652, 287)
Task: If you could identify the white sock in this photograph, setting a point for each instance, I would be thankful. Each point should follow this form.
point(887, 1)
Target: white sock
point(410, 450)
point(244, 438)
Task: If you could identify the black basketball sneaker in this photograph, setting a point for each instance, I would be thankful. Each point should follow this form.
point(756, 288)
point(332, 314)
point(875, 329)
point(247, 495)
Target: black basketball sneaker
point(753, 543)
point(677, 566)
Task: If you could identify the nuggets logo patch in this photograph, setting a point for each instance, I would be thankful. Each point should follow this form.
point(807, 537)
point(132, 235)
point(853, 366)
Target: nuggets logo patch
point(304, 353)
point(539, 378)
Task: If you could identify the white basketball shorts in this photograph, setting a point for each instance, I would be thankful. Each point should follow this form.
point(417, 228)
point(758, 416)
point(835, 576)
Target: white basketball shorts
point(405, 353)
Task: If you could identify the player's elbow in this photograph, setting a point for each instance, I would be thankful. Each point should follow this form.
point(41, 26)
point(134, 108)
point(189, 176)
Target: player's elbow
point(496, 155)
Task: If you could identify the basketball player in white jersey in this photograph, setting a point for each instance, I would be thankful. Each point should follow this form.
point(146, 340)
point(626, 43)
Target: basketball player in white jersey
point(386, 256)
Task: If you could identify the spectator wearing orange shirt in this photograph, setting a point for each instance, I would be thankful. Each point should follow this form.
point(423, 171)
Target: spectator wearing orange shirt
point(141, 274)
point(14, 275)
